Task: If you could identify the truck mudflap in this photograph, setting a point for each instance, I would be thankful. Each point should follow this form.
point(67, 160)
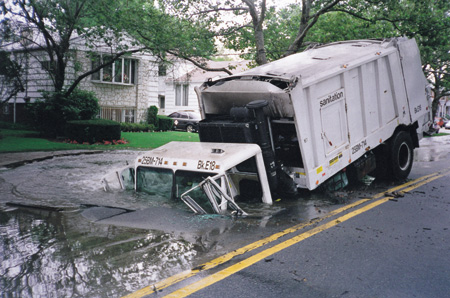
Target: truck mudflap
point(217, 196)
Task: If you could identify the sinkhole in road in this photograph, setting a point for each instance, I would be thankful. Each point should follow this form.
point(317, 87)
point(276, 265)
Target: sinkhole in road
point(62, 233)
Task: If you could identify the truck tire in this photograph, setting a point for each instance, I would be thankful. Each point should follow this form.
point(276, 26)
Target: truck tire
point(401, 155)
point(190, 128)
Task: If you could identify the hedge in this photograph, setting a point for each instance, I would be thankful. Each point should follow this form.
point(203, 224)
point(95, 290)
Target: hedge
point(165, 123)
point(134, 127)
point(92, 131)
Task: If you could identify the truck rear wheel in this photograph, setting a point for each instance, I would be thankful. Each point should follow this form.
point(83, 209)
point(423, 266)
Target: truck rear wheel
point(401, 155)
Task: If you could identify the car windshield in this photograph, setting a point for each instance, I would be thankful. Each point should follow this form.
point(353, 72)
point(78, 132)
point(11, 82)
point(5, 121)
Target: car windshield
point(194, 116)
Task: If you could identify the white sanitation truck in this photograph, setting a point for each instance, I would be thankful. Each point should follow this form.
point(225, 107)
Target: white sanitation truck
point(353, 107)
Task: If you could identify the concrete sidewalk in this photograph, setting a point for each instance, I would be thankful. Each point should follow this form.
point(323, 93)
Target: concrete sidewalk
point(11, 160)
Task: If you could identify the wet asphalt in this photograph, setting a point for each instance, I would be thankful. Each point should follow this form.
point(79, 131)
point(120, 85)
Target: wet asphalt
point(398, 249)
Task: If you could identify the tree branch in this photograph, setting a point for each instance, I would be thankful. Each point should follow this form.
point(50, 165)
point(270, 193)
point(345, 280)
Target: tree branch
point(221, 9)
point(200, 65)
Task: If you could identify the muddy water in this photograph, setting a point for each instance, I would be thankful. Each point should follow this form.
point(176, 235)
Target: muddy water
point(79, 241)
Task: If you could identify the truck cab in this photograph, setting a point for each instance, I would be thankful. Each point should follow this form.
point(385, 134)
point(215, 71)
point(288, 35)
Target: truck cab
point(210, 178)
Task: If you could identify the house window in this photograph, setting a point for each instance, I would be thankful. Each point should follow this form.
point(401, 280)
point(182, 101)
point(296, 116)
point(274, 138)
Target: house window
point(162, 69)
point(6, 109)
point(48, 66)
point(118, 114)
point(181, 95)
point(162, 101)
point(122, 71)
point(185, 95)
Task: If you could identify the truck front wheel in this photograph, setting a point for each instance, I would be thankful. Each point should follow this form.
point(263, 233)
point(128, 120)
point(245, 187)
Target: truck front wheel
point(402, 155)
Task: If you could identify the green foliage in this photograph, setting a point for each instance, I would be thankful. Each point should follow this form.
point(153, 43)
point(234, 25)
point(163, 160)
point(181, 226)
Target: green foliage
point(51, 115)
point(152, 113)
point(169, 29)
point(92, 131)
point(337, 26)
point(426, 21)
point(10, 125)
point(136, 127)
point(165, 123)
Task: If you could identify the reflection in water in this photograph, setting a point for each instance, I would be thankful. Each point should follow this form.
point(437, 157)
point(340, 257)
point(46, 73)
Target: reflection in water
point(48, 254)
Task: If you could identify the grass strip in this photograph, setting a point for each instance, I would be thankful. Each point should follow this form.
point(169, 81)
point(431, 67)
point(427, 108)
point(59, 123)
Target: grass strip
point(27, 140)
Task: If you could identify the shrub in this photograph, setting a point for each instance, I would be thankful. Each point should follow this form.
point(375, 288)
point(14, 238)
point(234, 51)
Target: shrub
point(152, 116)
point(51, 115)
point(20, 126)
point(165, 123)
point(92, 131)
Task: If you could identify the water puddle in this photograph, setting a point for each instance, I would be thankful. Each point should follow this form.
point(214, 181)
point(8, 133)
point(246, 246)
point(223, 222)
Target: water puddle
point(433, 149)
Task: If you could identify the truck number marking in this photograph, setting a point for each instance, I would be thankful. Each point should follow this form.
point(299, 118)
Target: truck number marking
point(209, 165)
point(417, 109)
point(151, 160)
point(359, 146)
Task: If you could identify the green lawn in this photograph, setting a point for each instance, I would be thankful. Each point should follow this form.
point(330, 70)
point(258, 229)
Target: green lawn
point(26, 140)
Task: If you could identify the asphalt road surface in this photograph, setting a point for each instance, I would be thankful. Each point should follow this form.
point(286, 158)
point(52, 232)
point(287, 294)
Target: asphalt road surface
point(393, 244)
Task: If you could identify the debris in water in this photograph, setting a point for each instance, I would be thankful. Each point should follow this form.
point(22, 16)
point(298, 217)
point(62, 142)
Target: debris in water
point(395, 194)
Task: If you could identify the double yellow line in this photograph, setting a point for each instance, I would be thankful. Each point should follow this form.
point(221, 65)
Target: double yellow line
point(211, 279)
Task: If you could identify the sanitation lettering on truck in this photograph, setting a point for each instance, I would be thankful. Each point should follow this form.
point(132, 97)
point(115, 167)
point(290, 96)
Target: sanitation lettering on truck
point(331, 98)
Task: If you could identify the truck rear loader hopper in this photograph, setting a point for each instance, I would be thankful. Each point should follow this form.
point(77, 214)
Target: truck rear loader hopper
point(357, 105)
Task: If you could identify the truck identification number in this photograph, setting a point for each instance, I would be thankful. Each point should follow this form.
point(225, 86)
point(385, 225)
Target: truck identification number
point(209, 165)
point(151, 160)
point(417, 109)
point(359, 146)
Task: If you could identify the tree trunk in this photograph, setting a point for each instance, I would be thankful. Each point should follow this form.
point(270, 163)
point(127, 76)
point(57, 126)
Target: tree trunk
point(258, 20)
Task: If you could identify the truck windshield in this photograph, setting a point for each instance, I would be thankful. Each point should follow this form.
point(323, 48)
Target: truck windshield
point(163, 183)
point(185, 180)
point(155, 181)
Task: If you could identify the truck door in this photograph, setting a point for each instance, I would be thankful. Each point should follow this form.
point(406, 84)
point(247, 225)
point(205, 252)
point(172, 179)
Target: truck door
point(415, 81)
point(334, 121)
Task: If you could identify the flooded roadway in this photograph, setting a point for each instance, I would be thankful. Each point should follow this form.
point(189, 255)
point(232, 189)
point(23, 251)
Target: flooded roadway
point(80, 241)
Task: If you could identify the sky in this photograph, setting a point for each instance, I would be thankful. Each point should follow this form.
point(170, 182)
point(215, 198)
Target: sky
point(281, 3)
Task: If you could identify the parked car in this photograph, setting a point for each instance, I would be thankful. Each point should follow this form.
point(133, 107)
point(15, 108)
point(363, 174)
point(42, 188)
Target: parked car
point(185, 120)
point(447, 125)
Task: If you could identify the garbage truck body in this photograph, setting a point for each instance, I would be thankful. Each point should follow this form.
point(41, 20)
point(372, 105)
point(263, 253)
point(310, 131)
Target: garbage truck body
point(360, 106)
